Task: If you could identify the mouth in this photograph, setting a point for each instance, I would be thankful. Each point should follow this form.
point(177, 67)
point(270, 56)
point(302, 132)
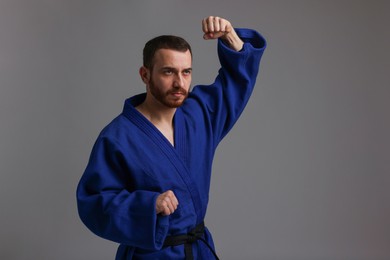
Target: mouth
point(177, 93)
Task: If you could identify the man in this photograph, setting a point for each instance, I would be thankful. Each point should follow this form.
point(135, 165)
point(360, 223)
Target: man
point(147, 182)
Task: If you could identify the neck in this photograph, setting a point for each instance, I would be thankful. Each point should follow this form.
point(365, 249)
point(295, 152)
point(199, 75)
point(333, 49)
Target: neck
point(156, 112)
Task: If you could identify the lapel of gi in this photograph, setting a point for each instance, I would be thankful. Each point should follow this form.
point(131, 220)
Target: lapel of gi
point(176, 155)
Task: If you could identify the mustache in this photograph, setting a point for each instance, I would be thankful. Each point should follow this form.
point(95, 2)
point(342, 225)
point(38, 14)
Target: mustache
point(178, 90)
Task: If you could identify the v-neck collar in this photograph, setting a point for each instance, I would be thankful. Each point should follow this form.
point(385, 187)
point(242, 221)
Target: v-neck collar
point(177, 155)
point(151, 130)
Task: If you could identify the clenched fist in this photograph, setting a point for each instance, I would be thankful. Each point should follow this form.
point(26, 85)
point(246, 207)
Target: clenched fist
point(166, 203)
point(215, 27)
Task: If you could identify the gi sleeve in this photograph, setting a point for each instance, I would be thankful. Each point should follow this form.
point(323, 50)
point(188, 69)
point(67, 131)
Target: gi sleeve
point(225, 99)
point(109, 208)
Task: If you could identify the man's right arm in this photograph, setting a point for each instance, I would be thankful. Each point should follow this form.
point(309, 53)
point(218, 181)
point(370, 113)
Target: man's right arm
point(108, 206)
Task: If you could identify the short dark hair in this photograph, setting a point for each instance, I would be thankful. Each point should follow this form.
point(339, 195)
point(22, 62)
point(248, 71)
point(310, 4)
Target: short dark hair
point(163, 42)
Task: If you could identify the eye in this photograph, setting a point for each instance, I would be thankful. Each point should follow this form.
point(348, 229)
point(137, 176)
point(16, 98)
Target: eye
point(168, 72)
point(187, 72)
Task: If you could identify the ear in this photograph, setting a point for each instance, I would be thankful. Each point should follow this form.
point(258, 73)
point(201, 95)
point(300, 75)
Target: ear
point(145, 74)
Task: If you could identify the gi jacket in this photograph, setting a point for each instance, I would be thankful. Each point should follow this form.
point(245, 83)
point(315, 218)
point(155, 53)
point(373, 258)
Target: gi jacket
point(131, 162)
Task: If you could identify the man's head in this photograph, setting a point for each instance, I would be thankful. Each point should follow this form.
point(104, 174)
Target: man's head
point(167, 70)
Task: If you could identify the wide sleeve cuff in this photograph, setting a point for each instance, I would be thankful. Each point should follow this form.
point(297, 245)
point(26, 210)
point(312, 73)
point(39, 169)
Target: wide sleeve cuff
point(251, 39)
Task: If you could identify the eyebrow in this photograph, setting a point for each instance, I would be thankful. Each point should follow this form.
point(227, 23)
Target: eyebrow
point(174, 69)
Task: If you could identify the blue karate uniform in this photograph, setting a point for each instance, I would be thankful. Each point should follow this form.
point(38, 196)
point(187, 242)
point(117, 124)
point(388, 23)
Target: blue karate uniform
point(131, 162)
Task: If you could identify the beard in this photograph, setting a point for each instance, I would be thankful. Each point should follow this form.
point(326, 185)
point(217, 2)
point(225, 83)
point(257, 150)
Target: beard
point(167, 98)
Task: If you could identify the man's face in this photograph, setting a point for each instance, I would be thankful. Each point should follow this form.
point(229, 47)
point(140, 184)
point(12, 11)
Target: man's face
point(170, 78)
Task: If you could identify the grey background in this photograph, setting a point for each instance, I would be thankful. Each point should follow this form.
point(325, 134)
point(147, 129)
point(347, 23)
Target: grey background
point(303, 175)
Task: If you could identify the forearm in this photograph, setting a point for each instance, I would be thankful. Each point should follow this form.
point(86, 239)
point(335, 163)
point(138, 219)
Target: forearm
point(126, 218)
point(232, 40)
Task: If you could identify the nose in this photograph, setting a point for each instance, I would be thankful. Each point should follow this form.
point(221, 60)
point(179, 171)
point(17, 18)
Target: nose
point(179, 81)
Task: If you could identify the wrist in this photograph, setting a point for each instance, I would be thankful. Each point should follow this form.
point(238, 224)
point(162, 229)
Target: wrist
point(232, 40)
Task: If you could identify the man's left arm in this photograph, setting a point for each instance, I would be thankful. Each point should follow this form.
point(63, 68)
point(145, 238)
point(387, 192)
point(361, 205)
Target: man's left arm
point(239, 52)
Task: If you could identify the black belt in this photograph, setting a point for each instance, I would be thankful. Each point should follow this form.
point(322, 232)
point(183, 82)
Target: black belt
point(187, 239)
